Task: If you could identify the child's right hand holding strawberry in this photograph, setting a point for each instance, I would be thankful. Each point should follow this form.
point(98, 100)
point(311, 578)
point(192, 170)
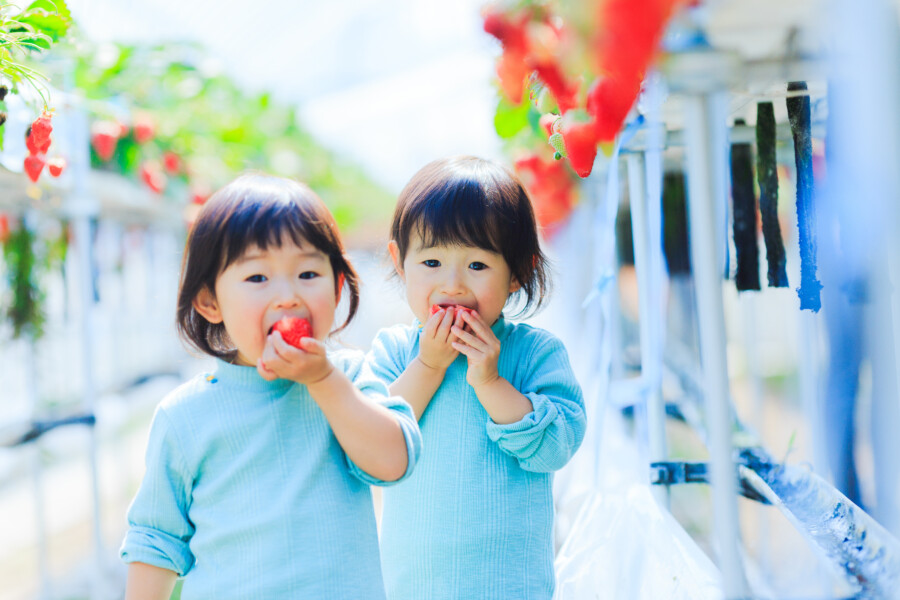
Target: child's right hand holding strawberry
point(435, 349)
point(306, 363)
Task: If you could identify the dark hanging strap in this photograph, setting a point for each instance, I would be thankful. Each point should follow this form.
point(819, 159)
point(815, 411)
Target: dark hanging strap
point(799, 115)
point(745, 223)
point(767, 176)
point(675, 230)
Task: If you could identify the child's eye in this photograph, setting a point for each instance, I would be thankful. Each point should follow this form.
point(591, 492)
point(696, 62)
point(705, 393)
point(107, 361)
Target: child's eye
point(308, 275)
point(256, 278)
point(477, 266)
point(431, 263)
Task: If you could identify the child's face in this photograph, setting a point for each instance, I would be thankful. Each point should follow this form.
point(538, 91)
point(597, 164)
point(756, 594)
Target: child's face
point(465, 275)
point(262, 286)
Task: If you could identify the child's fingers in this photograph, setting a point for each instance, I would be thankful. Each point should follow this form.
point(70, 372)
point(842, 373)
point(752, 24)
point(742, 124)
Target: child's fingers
point(479, 327)
point(469, 339)
point(312, 346)
point(445, 325)
point(264, 371)
point(284, 350)
point(464, 349)
point(433, 322)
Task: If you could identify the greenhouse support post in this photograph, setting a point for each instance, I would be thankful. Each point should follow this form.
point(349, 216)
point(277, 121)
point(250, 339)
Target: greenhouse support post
point(83, 209)
point(704, 137)
point(650, 324)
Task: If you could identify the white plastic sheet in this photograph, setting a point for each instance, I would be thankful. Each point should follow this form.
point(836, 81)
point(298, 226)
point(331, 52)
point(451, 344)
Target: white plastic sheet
point(623, 545)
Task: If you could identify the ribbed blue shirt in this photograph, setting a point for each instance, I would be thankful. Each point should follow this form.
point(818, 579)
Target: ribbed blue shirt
point(475, 520)
point(248, 494)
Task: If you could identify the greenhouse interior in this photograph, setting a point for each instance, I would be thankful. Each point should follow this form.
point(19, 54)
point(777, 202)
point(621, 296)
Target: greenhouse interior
point(711, 182)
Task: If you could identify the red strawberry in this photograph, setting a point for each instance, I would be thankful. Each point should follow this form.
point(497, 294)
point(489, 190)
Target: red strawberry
point(41, 128)
point(153, 177)
point(56, 165)
point(34, 164)
point(104, 137)
point(581, 143)
point(563, 91)
point(171, 163)
point(4, 227)
point(144, 129)
point(551, 187)
point(608, 101)
point(293, 329)
point(456, 308)
point(33, 147)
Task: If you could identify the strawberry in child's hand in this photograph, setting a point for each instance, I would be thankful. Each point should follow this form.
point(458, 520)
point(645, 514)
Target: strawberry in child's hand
point(456, 308)
point(56, 165)
point(34, 164)
point(293, 329)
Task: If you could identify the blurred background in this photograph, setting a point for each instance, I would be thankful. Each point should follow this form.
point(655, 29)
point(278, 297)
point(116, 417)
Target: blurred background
point(156, 104)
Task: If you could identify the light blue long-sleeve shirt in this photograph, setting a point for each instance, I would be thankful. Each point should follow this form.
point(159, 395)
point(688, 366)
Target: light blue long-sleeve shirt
point(249, 495)
point(475, 520)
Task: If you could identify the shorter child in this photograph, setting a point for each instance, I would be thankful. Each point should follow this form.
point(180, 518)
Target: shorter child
point(257, 473)
point(497, 402)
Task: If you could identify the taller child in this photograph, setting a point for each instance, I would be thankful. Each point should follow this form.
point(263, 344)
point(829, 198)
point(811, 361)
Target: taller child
point(258, 473)
point(497, 402)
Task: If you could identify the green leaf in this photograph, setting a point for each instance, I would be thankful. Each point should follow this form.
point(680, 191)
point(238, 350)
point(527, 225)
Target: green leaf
point(509, 119)
point(50, 18)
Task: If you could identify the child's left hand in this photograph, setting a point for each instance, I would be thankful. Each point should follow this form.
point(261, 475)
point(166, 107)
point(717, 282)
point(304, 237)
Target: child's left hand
point(481, 347)
point(306, 365)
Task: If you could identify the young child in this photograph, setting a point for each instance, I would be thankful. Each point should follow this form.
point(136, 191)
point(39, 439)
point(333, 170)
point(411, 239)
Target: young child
point(257, 476)
point(497, 402)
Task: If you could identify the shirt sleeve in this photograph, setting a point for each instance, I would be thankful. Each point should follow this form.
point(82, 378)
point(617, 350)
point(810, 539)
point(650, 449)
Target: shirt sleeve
point(387, 357)
point(376, 389)
point(159, 530)
point(546, 438)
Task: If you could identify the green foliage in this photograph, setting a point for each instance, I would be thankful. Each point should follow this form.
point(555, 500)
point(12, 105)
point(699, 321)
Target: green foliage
point(24, 309)
point(218, 128)
point(27, 32)
point(27, 257)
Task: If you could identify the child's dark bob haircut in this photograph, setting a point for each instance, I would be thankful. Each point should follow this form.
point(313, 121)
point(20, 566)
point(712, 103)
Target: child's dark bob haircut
point(252, 210)
point(470, 201)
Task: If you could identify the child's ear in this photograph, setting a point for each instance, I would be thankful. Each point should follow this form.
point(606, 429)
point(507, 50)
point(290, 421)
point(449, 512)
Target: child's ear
point(205, 304)
point(394, 251)
point(514, 285)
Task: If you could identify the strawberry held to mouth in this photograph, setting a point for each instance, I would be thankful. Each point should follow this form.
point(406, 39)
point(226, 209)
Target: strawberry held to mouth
point(292, 330)
point(456, 308)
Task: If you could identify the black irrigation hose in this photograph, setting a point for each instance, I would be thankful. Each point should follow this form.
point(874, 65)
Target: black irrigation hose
point(767, 176)
point(744, 211)
point(799, 115)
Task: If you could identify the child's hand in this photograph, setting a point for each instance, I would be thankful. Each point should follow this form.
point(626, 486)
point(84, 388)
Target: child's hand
point(305, 365)
point(435, 350)
point(481, 347)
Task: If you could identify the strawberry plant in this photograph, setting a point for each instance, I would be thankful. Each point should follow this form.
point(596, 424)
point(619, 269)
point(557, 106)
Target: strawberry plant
point(588, 56)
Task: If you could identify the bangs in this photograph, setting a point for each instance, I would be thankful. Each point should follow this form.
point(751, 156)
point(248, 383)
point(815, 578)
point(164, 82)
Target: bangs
point(268, 221)
point(457, 215)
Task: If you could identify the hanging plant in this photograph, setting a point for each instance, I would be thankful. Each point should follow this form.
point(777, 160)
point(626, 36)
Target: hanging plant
point(28, 258)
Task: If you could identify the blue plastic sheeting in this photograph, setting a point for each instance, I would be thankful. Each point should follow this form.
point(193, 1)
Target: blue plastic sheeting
point(849, 538)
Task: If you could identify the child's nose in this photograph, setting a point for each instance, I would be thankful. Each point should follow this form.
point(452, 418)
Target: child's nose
point(286, 295)
point(454, 283)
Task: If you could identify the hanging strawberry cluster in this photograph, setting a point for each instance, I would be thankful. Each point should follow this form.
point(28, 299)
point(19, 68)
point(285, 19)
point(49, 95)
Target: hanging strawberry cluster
point(588, 56)
point(114, 141)
point(37, 140)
